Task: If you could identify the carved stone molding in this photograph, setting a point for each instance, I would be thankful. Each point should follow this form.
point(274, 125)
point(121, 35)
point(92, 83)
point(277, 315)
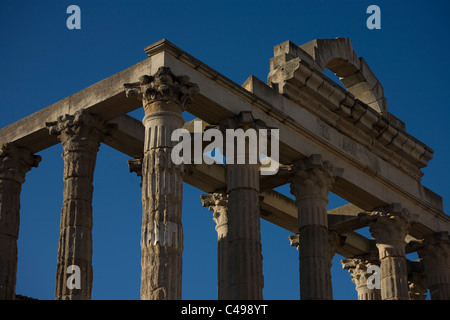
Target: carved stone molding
point(357, 267)
point(15, 162)
point(79, 131)
point(435, 254)
point(163, 86)
point(294, 240)
point(244, 120)
point(435, 250)
point(312, 177)
point(389, 226)
point(135, 166)
point(217, 202)
point(417, 286)
point(335, 240)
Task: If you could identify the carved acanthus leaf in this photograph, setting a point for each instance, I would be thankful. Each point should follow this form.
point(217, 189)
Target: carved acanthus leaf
point(163, 86)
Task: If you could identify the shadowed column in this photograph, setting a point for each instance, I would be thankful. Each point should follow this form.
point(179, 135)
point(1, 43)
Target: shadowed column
point(218, 203)
point(14, 164)
point(389, 226)
point(164, 97)
point(435, 253)
point(311, 181)
point(245, 277)
point(80, 135)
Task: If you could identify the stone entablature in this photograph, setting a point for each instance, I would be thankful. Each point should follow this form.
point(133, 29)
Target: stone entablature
point(320, 124)
point(296, 74)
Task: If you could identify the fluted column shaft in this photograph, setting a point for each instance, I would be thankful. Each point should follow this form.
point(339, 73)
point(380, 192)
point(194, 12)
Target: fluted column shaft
point(435, 253)
point(164, 97)
point(218, 204)
point(389, 230)
point(80, 135)
point(14, 164)
point(162, 196)
point(244, 235)
point(245, 275)
point(310, 185)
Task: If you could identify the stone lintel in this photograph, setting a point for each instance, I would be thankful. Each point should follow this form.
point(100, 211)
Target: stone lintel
point(223, 100)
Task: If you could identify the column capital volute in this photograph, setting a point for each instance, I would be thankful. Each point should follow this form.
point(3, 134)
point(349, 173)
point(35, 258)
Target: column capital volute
point(294, 240)
point(80, 127)
point(135, 165)
point(217, 202)
point(312, 177)
point(15, 162)
point(163, 86)
point(390, 224)
point(434, 250)
point(357, 268)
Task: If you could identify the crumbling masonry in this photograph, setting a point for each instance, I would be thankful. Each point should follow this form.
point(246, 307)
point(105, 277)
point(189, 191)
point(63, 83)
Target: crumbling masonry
point(331, 138)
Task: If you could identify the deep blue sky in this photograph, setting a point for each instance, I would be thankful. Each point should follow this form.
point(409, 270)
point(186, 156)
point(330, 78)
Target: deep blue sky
point(42, 62)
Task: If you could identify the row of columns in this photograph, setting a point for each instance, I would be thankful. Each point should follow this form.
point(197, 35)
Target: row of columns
point(236, 211)
point(405, 281)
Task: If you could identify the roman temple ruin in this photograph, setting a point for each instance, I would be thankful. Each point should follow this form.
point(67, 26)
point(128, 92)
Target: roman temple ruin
point(332, 137)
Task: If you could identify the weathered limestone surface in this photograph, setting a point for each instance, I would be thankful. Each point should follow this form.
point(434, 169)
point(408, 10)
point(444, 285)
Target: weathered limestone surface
point(80, 135)
point(435, 253)
point(417, 280)
point(245, 276)
point(335, 240)
point(310, 184)
point(164, 97)
point(370, 168)
point(357, 267)
point(218, 203)
point(14, 164)
point(389, 228)
point(350, 128)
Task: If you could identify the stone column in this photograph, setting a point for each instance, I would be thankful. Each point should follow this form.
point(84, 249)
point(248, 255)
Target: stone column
point(389, 226)
point(80, 135)
point(335, 240)
point(164, 97)
point(311, 181)
point(245, 276)
point(14, 164)
point(417, 284)
point(357, 267)
point(435, 254)
point(218, 204)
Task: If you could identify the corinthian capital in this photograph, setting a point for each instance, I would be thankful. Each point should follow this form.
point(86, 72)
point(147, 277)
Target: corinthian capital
point(15, 162)
point(312, 176)
point(357, 269)
point(435, 250)
point(217, 203)
point(81, 127)
point(163, 86)
point(390, 224)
